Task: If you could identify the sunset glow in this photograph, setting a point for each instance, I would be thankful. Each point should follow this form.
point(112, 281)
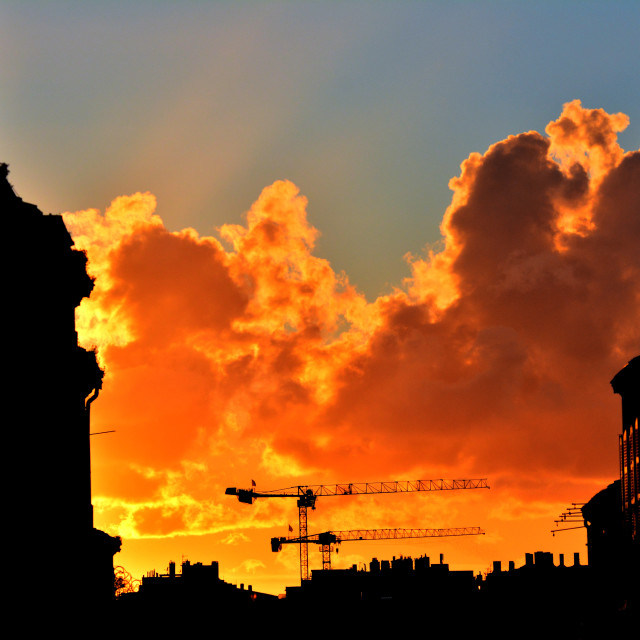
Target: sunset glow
point(244, 356)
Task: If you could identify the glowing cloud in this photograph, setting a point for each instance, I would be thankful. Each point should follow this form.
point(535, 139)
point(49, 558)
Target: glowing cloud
point(223, 363)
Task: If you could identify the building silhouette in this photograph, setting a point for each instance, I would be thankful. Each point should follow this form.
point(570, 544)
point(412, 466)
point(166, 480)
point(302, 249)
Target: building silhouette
point(197, 584)
point(606, 535)
point(400, 580)
point(627, 383)
point(196, 601)
point(611, 516)
point(58, 560)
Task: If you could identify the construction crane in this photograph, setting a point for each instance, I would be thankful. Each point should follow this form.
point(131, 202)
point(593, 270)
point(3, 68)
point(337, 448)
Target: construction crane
point(327, 538)
point(307, 495)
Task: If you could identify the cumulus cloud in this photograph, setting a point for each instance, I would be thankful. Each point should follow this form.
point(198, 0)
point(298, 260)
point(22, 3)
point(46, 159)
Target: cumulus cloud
point(247, 355)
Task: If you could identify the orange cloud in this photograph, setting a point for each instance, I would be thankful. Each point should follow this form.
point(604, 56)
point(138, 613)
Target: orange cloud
point(258, 359)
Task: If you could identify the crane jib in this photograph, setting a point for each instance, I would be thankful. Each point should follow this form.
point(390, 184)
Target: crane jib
point(360, 488)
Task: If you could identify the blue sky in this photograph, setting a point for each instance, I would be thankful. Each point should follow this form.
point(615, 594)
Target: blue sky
point(369, 107)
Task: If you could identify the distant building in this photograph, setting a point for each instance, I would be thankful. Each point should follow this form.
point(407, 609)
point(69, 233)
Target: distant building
point(400, 581)
point(198, 587)
point(535, 600)
point(540, 598)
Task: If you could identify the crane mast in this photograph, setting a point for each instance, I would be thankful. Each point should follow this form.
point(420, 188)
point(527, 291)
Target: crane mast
point(327, 538)
point(307, 495)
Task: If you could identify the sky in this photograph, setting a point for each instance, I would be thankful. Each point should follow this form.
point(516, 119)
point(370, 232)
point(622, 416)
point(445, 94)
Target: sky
point(339, 242)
